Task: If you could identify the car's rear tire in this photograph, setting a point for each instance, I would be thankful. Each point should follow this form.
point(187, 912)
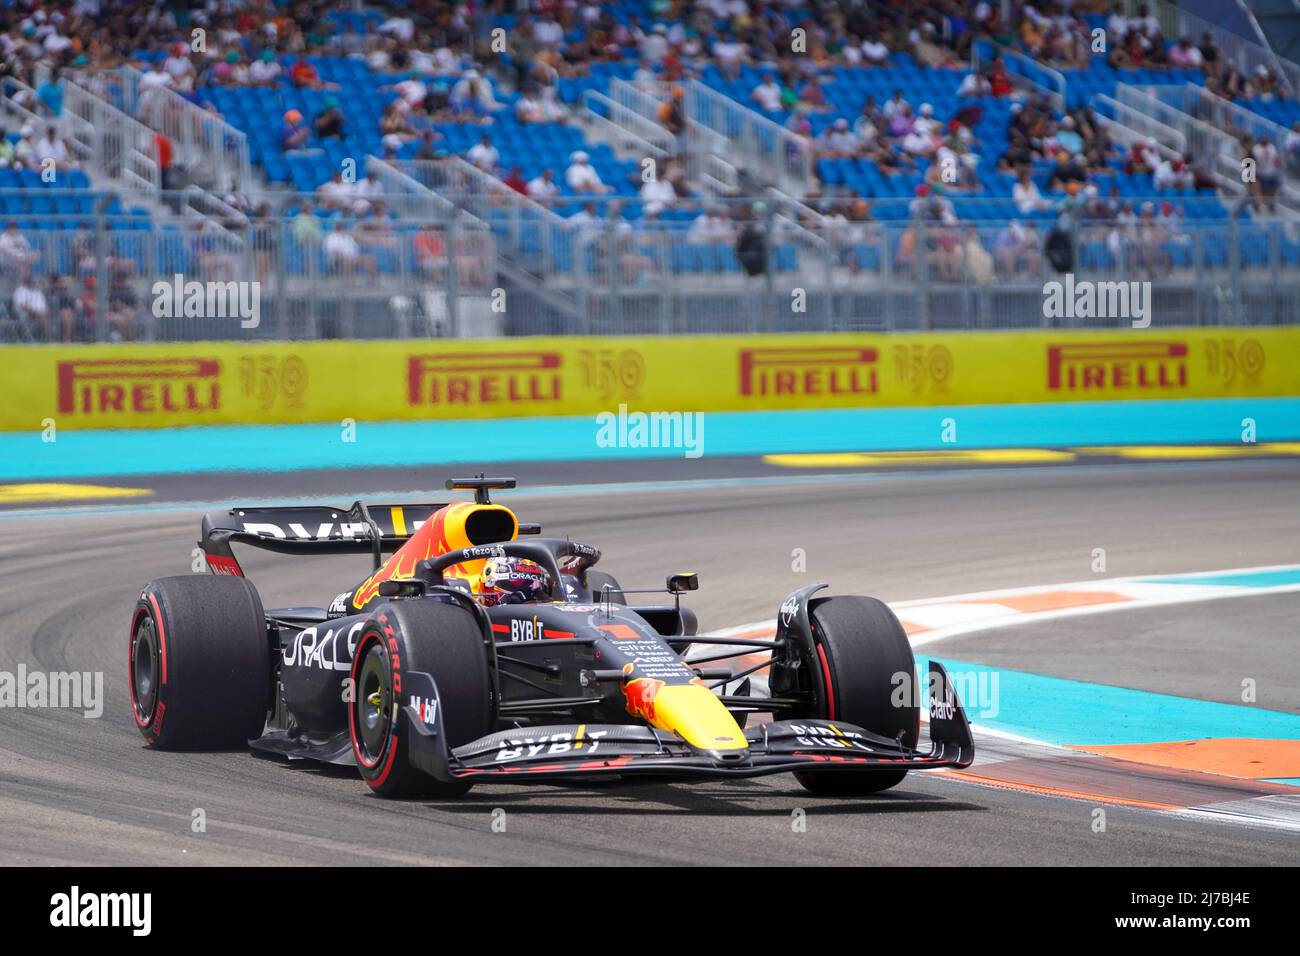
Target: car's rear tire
point(444, 641)
point(862, 655)
point(200, 663)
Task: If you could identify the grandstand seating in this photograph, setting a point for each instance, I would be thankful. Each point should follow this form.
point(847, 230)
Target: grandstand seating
point(534, 147)
point(259, 111)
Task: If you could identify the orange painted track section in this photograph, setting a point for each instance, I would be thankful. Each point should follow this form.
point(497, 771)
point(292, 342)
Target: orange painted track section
point(1104, 779)
point(1053, 600)
point(1248, 757)
point(1108, 798)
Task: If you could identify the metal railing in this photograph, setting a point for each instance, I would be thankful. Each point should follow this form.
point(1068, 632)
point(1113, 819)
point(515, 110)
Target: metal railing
point(1219, 112)
point(215, 152)
point(120, 147)
point(522, 224)
point(1024, 72)
point(1202, 140)
point(1246, 54)
point(435, 270)
point(722, 136)
point(533, 242)
point(701, 148)
point(1222, 114)
point(380, 276)
point(1127, 124)
point(410, 197)
point(625, 129)
point(765, 148)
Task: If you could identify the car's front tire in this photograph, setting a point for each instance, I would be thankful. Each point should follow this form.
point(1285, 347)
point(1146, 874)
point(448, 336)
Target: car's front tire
point(861, 656)
point(200, 663)
point(444, 641)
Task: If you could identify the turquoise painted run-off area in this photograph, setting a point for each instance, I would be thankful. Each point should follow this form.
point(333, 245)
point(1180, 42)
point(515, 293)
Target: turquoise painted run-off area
point(1069, 712)
point(24, 456)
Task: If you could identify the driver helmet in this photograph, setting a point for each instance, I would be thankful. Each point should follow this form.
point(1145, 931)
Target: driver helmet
point(511, 580)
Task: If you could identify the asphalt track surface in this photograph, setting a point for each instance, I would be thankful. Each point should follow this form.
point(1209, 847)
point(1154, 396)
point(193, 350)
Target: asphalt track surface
point(78, 791)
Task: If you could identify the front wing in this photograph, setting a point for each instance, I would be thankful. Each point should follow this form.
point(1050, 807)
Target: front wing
point(568, 751)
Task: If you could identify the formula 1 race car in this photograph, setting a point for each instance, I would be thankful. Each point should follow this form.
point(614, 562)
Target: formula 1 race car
point(470, 655)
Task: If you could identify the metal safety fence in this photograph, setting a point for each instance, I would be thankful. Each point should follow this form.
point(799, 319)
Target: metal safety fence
point(456, 253)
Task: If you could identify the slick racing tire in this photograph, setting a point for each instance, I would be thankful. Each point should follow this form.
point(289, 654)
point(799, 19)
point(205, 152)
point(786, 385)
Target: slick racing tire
point(860, 648)
point(444, 641)
point(200, 663)
point(598, 580)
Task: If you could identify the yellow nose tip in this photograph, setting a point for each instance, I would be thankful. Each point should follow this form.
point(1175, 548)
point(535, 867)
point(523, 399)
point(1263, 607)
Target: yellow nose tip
point(694, 713)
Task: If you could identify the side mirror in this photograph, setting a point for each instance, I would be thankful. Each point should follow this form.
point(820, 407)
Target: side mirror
point(683, 581)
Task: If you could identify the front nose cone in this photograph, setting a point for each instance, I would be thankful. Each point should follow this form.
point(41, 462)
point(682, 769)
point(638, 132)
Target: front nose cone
point(728, 758)
point(695, 714)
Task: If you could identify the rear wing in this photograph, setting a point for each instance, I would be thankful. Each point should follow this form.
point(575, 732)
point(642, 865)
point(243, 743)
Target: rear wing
point(378, 529)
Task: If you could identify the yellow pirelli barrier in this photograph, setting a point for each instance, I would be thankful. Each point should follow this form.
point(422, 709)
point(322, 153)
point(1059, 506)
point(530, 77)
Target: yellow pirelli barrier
point(197, 383)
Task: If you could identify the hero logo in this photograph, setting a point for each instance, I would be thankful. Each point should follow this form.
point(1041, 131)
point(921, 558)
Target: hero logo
point(548, 745)
point(1103, 367)
point(835, 370)
point(789, 608)
point(943, 702)
point(140, 386)
point(427, 709)
point(492, 379)
point(532, 630)
point(310, 649)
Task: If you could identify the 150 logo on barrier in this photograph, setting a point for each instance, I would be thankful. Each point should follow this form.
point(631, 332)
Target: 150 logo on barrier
point(818, 371)
point(497, 378)
point(1228, 360)
point(272, 380)
point(96, 386)
point(918, 366)
point(611, 372)
point(1109, 367)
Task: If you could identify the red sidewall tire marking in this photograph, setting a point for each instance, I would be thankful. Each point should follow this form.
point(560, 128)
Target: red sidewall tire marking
point(162, 638)
point(391, 746)
point(826, 676)
point(130, 663)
